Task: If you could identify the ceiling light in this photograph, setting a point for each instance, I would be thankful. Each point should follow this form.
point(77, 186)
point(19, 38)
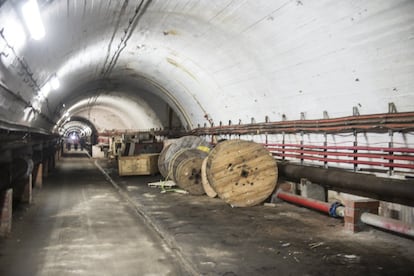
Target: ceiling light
point(14, 34)
point(54, 82)
point(33, 20)
point(45, 90)
point(26, 112)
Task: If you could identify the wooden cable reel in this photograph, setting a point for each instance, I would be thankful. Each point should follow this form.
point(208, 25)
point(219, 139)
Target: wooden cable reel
point(161, 161)
point(243, 173)
point(185, 170)
point(206, 185)
point(189, 142)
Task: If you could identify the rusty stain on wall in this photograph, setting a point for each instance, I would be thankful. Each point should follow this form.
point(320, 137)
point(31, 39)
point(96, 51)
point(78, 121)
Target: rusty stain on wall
point(170, 32)
point(176, 64)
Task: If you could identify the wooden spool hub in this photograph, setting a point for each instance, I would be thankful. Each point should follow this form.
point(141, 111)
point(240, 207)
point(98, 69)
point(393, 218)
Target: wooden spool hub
point(186, 142)
point(206, 185)
point(243, 173)
point(185, 169)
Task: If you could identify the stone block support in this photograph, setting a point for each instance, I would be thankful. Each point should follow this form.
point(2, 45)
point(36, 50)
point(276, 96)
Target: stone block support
point(27, 192)
point(39, 177)
point(6, 207)
point(353, 211)
point(52, 163)
point(45, 167)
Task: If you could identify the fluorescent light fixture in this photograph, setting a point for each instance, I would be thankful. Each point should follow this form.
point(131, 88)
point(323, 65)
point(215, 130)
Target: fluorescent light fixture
point(45, 90)
point(14, 34)
point(54, 82)
point(33, 20)
point(37, 105)
point(26, 112)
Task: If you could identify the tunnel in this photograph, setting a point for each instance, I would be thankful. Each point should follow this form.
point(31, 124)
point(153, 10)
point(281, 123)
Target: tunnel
point(316, 96)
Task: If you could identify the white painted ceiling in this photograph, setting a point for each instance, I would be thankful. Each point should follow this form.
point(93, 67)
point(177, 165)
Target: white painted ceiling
point(122, 63)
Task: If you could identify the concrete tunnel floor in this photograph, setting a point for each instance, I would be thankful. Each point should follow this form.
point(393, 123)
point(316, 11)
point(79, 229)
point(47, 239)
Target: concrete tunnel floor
point(81, 224)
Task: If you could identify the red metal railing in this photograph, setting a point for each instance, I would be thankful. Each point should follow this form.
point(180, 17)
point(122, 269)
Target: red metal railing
point(383, 157)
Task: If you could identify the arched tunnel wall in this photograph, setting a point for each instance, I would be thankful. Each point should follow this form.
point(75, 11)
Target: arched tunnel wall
point(219, 60)
point(185, 64)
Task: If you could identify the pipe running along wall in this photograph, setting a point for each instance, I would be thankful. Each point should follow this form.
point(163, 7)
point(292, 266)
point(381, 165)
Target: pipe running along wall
point(337, 210)
point(386, 189)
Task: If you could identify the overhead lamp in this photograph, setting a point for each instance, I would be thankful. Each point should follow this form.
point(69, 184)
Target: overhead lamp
point(45, 89)
point(26, 112)
point(31, 15)
point(54, 82)
point(14, 35)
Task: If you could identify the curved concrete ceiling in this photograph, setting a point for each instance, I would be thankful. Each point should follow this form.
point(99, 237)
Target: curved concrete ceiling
point(209, 61)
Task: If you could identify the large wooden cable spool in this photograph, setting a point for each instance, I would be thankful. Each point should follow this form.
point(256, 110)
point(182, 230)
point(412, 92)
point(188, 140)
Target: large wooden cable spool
point(185, 170)
point(186, 142)
point(206, 185)
point(243, 173)
point(161, 161)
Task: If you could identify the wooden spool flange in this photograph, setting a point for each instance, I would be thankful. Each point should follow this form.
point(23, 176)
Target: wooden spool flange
point(185, 170)
point(206, 185)
point(243, 173)
point(186, 142)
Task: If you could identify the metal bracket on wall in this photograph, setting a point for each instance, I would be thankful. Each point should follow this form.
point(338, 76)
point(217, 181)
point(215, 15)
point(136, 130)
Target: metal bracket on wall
point(355, 111)
point(392, 108)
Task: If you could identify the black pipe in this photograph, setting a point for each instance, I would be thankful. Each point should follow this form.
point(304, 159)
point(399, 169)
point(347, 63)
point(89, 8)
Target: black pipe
point(369, 185)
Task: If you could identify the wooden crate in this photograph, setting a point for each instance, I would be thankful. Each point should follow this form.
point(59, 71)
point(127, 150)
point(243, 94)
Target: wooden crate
point(143, 164)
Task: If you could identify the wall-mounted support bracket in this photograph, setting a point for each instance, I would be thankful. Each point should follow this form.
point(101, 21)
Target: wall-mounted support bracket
point(392, 108)
point(355, 111)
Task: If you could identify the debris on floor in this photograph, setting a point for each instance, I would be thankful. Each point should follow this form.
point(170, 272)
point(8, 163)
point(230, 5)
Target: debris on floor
point(167, 186)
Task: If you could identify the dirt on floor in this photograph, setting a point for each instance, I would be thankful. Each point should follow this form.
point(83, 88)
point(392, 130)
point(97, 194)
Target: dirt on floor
point(216, 239)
